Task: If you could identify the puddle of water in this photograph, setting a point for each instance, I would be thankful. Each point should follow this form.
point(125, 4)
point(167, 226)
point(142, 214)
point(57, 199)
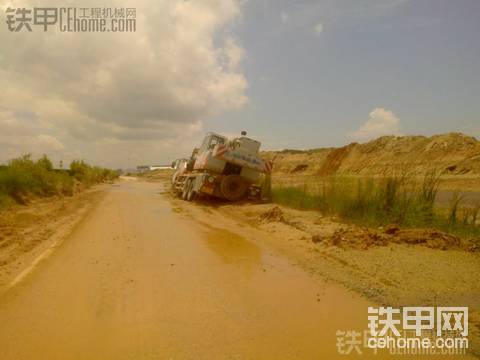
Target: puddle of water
point(233, 249)
point(311, 311)
point(470, 199)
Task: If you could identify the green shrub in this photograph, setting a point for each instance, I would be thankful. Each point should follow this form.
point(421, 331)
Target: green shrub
point(89, 175)
point(24, 177)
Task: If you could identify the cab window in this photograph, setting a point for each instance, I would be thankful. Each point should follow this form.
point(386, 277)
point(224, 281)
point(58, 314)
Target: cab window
point(215, 140)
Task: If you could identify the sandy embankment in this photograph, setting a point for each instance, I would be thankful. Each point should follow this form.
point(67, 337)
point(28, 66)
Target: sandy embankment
point(29, 234)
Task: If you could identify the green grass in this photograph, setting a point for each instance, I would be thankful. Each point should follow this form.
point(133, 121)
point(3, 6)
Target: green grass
point(24, 177)
point(380, 201)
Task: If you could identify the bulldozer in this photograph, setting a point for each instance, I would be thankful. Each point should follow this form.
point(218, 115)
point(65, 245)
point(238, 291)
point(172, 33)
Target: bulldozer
point(229, 169)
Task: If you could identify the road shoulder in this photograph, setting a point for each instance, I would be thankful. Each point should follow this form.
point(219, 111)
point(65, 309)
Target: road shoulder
point(29, 234)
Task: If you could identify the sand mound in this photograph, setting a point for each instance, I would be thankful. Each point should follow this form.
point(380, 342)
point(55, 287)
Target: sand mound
point(453, 153)
point(274, 214)
point(334, 159)
point(364, 239)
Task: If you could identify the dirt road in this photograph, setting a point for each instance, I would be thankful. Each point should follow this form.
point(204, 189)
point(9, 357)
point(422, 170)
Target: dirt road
point(136, 280)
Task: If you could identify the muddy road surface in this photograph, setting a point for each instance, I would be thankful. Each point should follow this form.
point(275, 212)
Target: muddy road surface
point(136, 280)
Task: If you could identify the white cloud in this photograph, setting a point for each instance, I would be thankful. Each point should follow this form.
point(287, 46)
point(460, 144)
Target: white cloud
point(49, 141)
point(284, 17)
point(318, 28)
point(91, 91)
point(380, 122)
point(234, 54)
point(20, 135)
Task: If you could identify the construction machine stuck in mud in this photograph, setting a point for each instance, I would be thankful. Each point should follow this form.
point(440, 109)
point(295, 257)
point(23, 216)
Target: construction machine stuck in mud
point(222, 168)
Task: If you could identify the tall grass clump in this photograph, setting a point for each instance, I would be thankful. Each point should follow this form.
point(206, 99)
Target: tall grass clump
point(298, 198)
point(24, 177)
point(397, 198)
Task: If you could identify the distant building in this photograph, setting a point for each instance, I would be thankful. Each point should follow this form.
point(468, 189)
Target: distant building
point(145, 168)
point(157, 167)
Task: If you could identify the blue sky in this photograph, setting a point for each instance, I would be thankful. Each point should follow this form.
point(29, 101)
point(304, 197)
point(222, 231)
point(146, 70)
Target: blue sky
point(417, 59)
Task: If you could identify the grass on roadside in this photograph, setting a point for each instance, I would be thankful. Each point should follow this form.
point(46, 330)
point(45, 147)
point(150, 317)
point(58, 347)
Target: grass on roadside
point(396, 199)
point(24, 177)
